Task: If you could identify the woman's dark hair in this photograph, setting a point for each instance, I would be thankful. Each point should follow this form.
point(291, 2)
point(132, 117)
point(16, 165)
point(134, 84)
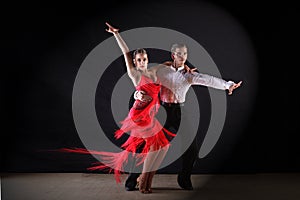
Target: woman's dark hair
point(137, 51)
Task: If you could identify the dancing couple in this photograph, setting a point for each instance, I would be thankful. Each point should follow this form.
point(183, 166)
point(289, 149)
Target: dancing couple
point(165, 84)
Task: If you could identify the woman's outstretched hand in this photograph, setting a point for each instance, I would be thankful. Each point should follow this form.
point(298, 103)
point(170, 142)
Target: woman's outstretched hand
point(111, 29)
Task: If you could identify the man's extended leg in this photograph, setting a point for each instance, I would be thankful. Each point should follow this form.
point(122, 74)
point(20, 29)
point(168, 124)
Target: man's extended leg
point(189, 157)
point(188, 160)
point(131, 181)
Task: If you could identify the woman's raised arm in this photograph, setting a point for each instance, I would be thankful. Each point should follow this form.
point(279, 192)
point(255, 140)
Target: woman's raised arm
point(131, 70)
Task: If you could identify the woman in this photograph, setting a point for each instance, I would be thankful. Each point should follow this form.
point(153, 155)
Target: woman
point(143, 128)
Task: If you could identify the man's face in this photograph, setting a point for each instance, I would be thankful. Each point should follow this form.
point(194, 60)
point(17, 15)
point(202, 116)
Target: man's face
point(180, 56)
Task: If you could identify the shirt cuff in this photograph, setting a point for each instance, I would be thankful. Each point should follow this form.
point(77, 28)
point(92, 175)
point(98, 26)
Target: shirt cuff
point(134, 95)
point(228, 84)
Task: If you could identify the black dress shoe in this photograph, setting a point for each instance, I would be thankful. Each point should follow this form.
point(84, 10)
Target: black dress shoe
point(130, 185)
point(184, 182)
point(131, 182)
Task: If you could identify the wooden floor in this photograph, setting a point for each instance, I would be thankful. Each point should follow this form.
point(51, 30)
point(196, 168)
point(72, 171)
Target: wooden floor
point(80, 186)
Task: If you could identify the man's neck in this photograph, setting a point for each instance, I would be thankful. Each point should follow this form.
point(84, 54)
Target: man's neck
point(175, 65)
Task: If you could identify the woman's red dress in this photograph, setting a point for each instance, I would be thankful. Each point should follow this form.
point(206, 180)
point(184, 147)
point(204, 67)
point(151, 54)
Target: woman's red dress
point(142, 127)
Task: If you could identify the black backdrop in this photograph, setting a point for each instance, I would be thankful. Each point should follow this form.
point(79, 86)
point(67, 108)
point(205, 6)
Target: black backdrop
point(44, 45)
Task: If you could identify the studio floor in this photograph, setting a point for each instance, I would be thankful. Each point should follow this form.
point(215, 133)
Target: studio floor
point(81, 186)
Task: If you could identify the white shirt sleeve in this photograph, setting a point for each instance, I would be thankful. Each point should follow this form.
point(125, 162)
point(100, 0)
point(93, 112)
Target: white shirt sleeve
point(208, 80)
point(135, 95)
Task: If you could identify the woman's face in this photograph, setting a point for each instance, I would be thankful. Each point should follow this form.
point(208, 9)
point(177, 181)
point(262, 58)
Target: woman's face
point(141, 61)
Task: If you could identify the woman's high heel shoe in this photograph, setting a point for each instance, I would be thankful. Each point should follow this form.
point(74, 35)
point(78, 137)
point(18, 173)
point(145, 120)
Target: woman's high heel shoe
point(149, 181)
point(142, 182)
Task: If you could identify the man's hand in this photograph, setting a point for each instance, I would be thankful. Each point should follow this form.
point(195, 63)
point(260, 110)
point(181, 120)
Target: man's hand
point(233, 87)
point(142, 96)
point(190, 70)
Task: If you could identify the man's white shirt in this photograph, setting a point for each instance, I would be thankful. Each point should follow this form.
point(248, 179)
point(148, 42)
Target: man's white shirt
point(176, 83)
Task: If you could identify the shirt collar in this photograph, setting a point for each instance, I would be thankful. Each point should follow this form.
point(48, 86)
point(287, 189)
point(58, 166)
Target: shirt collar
point(178, 69)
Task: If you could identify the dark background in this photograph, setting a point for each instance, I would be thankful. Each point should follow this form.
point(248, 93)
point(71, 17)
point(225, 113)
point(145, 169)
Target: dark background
point(44, 45)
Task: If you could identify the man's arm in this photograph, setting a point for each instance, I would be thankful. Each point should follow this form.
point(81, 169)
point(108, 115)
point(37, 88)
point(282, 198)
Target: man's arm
point(211, 81)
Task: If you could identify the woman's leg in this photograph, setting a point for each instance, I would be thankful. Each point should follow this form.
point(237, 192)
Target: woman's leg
point(147, 168)
point(160, 155)
point(151, 164)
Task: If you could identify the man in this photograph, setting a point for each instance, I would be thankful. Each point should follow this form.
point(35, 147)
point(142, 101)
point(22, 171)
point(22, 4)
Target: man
point(176, 78)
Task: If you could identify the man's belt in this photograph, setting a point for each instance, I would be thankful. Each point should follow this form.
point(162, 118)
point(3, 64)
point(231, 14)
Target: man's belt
point(171, 104)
